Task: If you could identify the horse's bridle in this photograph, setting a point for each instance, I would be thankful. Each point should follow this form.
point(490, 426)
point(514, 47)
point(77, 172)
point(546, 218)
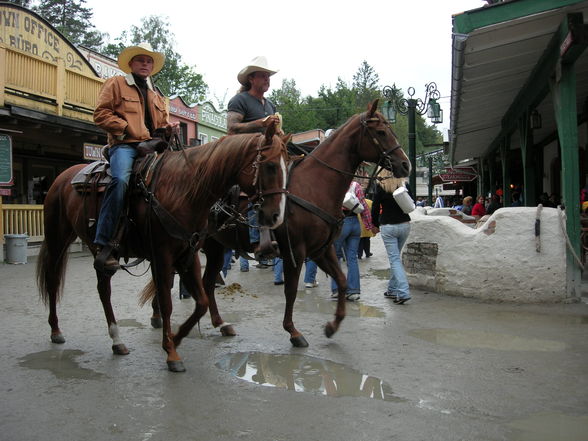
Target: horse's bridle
point(385, 155)
point(257, 198)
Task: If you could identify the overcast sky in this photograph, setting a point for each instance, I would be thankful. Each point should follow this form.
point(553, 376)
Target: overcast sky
point(407, 42)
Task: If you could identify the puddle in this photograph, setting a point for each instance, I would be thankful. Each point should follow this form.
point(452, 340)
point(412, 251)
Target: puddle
point(486, 340)
point(313, 303)
point(62, 364)
point(300, 373)
point(129, 323)
point(382, 274)
point(551, 426)
point(542, 318)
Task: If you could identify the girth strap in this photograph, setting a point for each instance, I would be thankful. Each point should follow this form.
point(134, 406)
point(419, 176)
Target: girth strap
point(331, 220)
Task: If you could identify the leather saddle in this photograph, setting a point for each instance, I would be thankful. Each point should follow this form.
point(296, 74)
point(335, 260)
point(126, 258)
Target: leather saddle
point(96, 176)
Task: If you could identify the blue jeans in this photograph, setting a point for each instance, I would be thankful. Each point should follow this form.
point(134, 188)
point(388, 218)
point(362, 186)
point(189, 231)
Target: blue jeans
point(227, 261)
point(310, 273)
point(244, 264)
point(252, 219)
point(394, 237)
point(348, 242)
point(121, 161)
point(278, 269)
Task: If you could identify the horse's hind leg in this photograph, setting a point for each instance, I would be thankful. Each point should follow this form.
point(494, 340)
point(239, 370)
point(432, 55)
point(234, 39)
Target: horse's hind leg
point(52, 263)
point(214, 263)
point(118, 347)
point(329, 263)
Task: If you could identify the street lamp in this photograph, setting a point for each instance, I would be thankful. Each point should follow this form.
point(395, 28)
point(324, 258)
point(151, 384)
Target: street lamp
point(410, 106)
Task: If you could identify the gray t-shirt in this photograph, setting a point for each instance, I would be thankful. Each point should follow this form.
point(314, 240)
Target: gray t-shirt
point(250, 107)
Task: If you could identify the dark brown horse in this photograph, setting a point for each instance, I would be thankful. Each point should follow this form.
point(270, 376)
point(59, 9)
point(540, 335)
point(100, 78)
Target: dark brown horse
point(188, 184)
point(316, 187)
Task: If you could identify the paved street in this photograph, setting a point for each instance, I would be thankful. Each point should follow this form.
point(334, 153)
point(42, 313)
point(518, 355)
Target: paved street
point(437, 368)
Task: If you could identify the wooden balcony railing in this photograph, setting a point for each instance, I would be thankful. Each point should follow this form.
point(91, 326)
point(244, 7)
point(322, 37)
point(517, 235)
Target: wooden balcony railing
point(22, 219)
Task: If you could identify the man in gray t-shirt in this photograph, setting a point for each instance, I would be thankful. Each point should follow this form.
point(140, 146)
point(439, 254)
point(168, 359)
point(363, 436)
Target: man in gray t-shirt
point(249, 111)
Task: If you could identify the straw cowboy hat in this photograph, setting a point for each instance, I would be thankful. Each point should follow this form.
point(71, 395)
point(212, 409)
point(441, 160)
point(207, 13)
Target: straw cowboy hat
point(258, 64)
point(128, 53)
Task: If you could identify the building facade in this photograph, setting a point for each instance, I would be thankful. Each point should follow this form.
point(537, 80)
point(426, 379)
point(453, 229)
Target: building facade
point(212, 124)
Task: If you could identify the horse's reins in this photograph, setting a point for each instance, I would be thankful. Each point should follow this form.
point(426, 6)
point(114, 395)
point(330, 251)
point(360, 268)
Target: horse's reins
point(257, 198)
point(385, 155)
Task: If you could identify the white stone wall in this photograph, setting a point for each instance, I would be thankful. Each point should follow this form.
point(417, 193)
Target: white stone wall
point(497, 261)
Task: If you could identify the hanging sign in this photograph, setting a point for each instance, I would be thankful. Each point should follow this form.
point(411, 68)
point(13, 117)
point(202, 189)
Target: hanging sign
point(5, 160)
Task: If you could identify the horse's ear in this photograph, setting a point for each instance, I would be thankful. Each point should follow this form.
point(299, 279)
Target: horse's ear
point(270, 131)
point(372, 107)
point(286, 138)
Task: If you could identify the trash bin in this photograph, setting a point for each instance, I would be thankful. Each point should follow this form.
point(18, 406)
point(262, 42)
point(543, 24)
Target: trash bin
point(16, 248)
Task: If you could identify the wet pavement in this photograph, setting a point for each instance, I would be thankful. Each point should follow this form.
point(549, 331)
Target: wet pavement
point(437, 368)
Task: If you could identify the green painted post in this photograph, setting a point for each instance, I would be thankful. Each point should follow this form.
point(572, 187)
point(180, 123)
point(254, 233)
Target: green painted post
point(529, 179)
point(564, 100)
point(505, 160)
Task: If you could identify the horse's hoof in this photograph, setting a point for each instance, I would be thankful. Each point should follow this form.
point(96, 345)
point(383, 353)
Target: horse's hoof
point(330, 330)
point(156, 322)
point(176, 366)
point(228, 331)
point(299, 342)
point(120, 349)
point(58, 338)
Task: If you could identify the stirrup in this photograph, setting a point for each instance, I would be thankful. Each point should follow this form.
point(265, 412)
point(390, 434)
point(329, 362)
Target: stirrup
point(105, 261)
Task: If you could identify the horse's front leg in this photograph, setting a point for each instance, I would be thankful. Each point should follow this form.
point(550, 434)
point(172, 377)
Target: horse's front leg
point(291, 277)
point(118, 347)
point(163, 277)
point(329, 263)
point(192, 280)
point(214, 263)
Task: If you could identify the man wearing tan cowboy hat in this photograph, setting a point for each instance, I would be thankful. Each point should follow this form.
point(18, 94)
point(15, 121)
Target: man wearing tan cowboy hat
point(249, 111)
point(130, 111)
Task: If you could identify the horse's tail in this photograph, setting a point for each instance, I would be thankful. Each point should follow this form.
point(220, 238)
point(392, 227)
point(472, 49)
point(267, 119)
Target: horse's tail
point(147, 293)
point(50, 272)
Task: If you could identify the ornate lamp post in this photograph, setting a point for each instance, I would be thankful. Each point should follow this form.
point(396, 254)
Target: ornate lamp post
point(410, 106)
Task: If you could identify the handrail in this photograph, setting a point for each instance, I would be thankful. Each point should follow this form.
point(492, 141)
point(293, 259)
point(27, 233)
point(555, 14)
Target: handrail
point(23, 219)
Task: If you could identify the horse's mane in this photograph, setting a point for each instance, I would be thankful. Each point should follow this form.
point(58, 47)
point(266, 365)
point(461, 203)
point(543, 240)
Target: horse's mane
point(201, 167)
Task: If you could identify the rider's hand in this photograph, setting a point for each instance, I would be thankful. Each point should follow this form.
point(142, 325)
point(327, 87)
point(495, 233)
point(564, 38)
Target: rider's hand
point(172, 128)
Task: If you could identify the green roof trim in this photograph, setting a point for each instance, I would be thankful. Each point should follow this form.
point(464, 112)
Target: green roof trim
point(469, 21)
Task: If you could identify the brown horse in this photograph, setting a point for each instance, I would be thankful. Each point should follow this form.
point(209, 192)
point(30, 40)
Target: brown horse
point(316, 187)
point(188, 183)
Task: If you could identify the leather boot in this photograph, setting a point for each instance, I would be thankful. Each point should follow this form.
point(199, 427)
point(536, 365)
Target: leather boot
point(105, 264)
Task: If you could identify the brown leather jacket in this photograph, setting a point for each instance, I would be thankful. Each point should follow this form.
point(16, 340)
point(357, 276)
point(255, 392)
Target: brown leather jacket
point(121, 112)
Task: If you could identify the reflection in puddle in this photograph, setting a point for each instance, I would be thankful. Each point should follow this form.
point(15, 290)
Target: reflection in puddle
point(301, 373)
point(382, 274)
point(551, 426)
point(313, 303)
point(542, 318)
point(486, 340)
point(62, 364)
point(129, 323)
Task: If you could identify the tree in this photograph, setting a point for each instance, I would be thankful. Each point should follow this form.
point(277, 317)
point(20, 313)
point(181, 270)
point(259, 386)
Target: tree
point(72, 19)
point(296, 114)
point(176, 78)
point(23, 3)
point(365, 85)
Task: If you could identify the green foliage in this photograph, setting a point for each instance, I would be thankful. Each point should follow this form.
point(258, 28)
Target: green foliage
point(332, 107)
point(23, 3)
point(72, 19)
point(176, 78)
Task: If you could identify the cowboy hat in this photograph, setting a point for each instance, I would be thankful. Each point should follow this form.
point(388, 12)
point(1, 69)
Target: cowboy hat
point(128, 53)
point(258, 64)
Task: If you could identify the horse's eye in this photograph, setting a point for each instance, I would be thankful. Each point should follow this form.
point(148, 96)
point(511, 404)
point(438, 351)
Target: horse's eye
point(381, 132)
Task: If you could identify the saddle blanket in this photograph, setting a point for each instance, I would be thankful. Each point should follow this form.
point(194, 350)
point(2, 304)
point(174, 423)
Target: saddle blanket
point(99, 169)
